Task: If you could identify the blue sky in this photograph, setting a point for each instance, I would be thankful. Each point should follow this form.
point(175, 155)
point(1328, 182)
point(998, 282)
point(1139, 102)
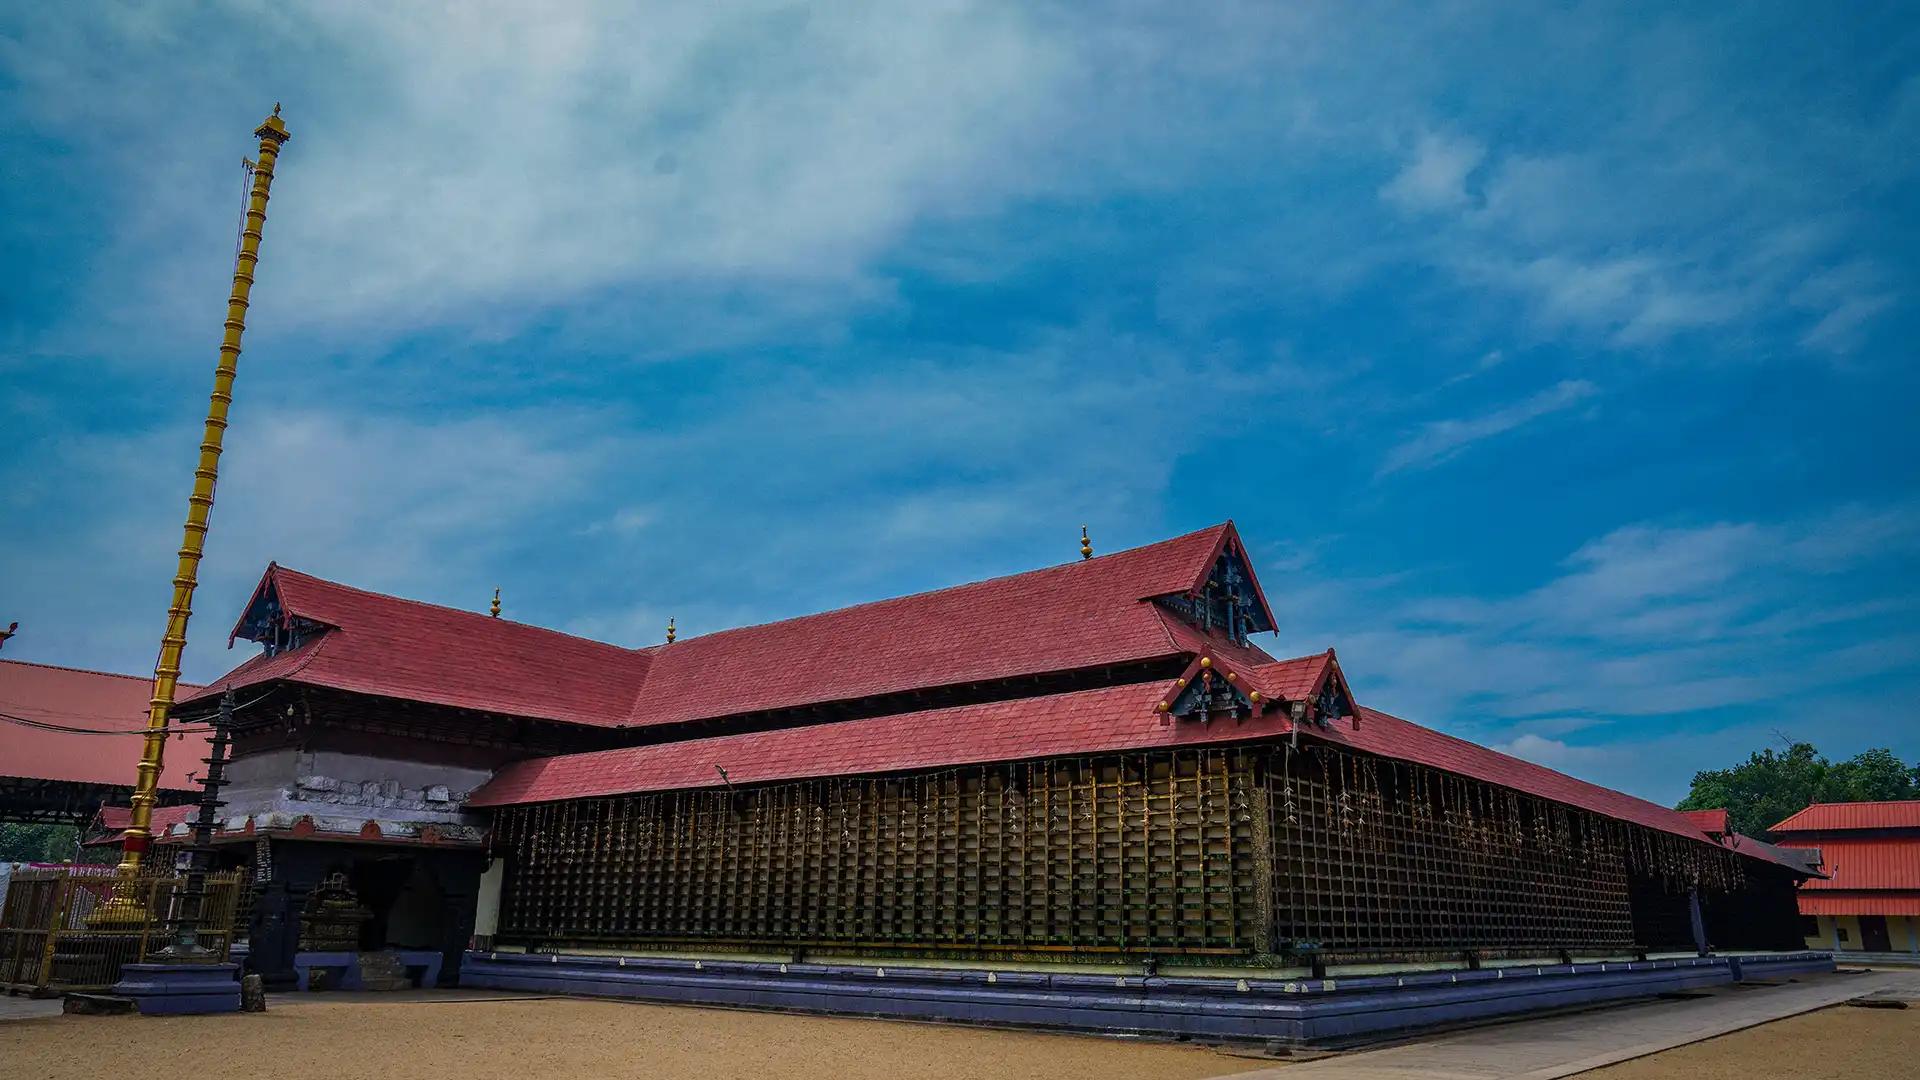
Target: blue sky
point(1557, 363)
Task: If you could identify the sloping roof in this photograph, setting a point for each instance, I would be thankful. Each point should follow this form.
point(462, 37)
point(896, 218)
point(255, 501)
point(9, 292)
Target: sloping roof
point(1104, 720)
point(1804, 861)
point(1866, 862)
point(1085, 614)
point(114, 820)
point(92, 701)
point(1710, 821)
point(384, 645)
point(1085, 722)
point(1820, 817)
point(1388, 735)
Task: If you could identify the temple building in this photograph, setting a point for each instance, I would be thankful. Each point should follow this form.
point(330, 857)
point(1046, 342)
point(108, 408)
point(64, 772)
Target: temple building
point(1088, 771)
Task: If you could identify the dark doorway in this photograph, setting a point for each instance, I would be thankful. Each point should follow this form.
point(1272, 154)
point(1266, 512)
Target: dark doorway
point(379, 881)
point(1873, 934)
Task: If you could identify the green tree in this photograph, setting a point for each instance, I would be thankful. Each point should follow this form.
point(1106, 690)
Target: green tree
point(1771, 785)
point(37, 843)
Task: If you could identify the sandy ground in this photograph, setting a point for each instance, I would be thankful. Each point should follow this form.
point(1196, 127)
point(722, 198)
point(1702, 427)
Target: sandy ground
point(1831, 1044)
point(378, 1036)
point(562, 1038)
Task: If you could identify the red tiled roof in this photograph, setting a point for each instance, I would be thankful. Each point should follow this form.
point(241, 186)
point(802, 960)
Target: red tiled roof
point(1887, 903)
point(378, 644)
point(115, 819)
point(1085, 722)
point(1865, 863)
point(1084, 614)
point(1898, 814)
point(90, 700)
point(1390, 736)
point(1710, 821)
point(1297, 679)
point(1082, 722)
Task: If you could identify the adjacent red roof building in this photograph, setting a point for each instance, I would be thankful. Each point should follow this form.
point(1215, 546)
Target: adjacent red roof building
point(1871, 852)
point(70, 733)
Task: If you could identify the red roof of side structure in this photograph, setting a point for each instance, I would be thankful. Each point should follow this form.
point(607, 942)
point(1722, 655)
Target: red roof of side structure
point(91, 701)
point(1710, 821)
point(1086, 614)
point(1821, 817)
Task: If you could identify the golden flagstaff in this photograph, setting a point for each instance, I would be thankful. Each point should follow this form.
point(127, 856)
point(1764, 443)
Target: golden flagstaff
point(166, 671)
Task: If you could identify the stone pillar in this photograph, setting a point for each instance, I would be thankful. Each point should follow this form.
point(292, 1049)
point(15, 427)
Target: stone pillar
point(1699, 922)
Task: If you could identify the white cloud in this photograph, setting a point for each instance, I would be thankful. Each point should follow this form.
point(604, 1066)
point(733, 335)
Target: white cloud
point(1435, 178)
point(1558, 754)
point(1659, 644)
point(500, 152)
point(1440, 440)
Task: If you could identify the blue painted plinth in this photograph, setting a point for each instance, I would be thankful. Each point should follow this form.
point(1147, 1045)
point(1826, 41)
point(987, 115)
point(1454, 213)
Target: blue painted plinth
point(1335, 1010)
point(175, 989)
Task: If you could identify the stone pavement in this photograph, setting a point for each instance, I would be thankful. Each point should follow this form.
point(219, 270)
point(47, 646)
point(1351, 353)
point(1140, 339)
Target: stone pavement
point(26, 1008)
point(1564, 1045)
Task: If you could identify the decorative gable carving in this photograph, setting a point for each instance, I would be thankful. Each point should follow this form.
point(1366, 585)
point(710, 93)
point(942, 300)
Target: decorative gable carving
point(1228, 602)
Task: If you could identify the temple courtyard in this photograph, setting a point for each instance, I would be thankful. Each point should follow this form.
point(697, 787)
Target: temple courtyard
point(1804, 1029)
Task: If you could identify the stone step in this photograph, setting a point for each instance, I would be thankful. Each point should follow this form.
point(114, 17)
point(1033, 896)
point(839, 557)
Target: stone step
point(96, 1004)
point(383, 971)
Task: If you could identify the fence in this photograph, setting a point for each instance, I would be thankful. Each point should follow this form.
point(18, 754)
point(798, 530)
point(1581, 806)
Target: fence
point(49, 939)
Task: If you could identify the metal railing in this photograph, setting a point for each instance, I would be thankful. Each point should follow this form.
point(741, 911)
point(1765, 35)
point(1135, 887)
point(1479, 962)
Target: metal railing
point(49, 940)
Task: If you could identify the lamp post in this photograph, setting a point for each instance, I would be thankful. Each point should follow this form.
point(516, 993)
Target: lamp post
point(190, 904)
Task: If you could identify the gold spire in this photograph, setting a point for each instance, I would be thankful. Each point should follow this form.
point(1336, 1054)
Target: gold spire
point(495, 612)
point(1086, 545)
point(670, 630)
point(272, 133)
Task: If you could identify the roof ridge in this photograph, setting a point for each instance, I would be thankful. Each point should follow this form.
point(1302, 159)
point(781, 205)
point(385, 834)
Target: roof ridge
point(85, 671)
point(431, 606)
point(1071, 565)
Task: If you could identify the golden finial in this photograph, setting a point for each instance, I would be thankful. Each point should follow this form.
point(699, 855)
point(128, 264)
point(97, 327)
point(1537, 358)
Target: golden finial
point(1086, 545)
point(670, 630)
point(496, 602)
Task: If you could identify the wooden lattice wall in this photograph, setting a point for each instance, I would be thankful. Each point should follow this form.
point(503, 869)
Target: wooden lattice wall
point(1156, 852)
point(1251, 852)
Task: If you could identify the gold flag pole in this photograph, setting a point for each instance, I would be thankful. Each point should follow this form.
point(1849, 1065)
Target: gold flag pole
point(166, 671)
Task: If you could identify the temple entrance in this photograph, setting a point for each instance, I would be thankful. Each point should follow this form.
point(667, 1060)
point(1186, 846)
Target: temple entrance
point(331, 908)
point(404, 899)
